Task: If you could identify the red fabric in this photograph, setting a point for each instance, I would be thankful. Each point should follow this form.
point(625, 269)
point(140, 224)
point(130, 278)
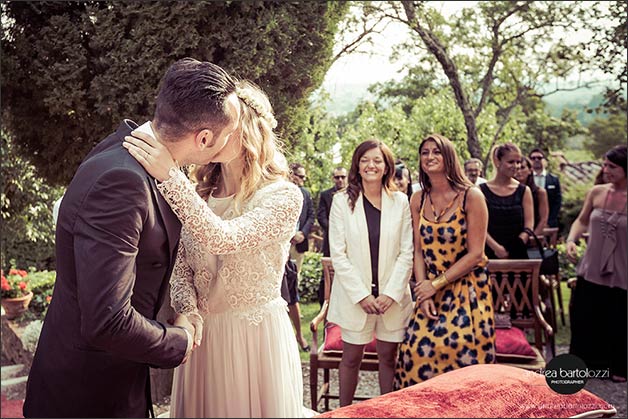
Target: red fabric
point(11, 408)
point(479, 391)
point(513, 342)
point(333, 339)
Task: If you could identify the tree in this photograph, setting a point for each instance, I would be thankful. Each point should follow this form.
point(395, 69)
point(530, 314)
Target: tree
point(497, 52)
point(26, 205)
point(607, 133)
point(73, 70)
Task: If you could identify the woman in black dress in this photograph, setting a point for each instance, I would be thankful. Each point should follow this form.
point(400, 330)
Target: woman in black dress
point(510, 206)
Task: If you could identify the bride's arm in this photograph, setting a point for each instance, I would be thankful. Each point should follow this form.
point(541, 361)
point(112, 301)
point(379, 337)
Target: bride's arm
point(182, 291)
point(273, 218)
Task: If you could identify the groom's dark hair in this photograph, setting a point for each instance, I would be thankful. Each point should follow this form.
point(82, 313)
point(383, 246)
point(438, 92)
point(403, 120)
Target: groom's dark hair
point(192, 97)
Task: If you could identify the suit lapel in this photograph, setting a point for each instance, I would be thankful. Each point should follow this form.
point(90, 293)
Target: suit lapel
point(363, 234)
point(387, 215)
point(169, 219)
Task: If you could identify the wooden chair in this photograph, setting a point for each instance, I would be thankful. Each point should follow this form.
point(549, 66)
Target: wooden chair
point(329, 359)
point(551, 238)
point(515, 285)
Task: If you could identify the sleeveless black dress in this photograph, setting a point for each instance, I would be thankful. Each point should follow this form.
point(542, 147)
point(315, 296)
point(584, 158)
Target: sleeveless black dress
point(505, 221)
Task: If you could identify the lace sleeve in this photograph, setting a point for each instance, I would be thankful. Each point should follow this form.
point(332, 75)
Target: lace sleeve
point(182, 291)
point(273, 217)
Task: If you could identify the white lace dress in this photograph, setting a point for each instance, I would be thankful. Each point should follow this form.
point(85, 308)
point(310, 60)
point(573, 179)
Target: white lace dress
point(229, 270)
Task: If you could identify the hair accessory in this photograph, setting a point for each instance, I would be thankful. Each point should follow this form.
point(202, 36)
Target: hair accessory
point(244, 95)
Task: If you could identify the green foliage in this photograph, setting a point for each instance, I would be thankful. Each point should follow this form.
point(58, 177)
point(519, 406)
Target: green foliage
point(573, 199)
point(26, 202)
point(607, 133)
point(568, 268)
point(73, 70)
point(311, 274)
point(42, 284)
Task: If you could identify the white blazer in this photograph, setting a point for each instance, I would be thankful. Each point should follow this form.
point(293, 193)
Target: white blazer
point(351, 257)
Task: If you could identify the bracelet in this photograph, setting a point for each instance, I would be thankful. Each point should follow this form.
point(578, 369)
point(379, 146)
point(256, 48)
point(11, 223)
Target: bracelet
point(440, 281)
point(572, 241)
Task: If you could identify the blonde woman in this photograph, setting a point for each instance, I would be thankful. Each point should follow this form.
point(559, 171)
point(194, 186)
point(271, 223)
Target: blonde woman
point(237, 224)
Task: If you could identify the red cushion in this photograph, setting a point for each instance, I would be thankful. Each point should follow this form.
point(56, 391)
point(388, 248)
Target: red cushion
point(512, 343)
point(333, 339)
point(480, 391)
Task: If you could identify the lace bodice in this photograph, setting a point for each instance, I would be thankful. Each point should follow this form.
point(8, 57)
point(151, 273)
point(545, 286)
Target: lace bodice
point(252, 247)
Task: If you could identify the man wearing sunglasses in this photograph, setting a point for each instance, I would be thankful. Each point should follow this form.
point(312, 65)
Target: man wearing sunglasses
point(549, 182)
point(322, 215)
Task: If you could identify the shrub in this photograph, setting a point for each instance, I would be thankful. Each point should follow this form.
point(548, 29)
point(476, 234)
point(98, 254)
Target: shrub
point(567, 268)
point(30, 335)
point(15, 284)
point(573, 199)
point(42, 284)
point(311, 274)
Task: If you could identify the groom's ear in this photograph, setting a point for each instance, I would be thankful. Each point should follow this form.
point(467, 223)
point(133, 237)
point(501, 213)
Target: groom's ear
point(204, 138)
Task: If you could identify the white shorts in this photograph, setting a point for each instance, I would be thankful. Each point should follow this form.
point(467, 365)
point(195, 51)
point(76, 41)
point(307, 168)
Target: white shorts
point(374, 326)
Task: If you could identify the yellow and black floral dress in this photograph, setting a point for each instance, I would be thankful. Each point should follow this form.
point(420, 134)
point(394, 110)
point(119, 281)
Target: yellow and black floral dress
point(464, 333)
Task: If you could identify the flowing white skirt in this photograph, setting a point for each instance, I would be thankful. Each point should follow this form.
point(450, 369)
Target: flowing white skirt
point(241, 370)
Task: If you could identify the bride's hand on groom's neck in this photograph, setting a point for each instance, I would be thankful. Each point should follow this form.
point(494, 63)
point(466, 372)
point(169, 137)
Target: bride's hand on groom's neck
point(151, 154)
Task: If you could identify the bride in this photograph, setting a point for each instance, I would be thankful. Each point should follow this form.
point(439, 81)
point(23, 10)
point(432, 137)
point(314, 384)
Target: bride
point(237, 223)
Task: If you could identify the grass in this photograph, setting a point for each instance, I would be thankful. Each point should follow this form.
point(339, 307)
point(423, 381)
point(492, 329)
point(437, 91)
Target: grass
point(563, 334)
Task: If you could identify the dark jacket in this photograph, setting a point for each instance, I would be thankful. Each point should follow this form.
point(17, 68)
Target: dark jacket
point(322, 215)
point(306, 219)
point(554, 198)
point(115, 245)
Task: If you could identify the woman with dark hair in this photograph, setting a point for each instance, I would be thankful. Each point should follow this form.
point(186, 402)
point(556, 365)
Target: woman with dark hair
point(403, 179)
point(370, 241)
point(598, 322)
point(510, 206)
point(452, 326)
point(539, 195)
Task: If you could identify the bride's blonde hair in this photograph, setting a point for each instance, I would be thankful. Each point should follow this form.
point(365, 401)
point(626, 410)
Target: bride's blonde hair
point(261, 148)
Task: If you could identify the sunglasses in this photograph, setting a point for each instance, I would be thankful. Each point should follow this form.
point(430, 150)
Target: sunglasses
point(537, 158)
point(339, 177)
point(301, 176)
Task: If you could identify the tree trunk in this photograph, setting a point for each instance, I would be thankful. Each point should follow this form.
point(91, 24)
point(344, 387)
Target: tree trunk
point(436, 48)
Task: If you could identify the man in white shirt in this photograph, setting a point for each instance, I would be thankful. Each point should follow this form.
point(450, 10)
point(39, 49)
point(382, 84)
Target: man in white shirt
point(473, 169)
point(549, 182)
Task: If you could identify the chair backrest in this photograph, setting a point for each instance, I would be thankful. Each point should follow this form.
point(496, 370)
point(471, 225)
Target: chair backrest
point(515, 286)
point(328, 275)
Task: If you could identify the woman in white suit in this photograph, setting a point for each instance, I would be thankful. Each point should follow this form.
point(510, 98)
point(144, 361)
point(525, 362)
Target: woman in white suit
point(370, 239)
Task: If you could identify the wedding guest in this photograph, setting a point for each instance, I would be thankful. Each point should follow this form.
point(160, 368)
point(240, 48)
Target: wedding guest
point(549, 182)
point(453, 323)
point(510, 206)
point(237, 224)
point(539, 195)
point(598, 316)
point(473, 170)
point(370, 238)
point(339, 178)
point(403, 180)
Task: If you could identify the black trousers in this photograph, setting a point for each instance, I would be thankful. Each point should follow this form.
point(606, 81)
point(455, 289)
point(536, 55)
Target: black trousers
point(599, 327)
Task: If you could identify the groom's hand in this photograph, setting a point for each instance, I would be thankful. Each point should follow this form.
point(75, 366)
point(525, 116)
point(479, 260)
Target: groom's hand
point(182, 321)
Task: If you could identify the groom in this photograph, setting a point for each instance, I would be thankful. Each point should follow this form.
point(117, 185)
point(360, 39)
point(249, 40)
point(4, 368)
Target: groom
point(116, 243)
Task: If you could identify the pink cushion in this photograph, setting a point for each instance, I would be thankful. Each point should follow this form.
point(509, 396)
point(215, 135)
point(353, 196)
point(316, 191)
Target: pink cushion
point(333, 339)
point(480, 391)
point(512, 343)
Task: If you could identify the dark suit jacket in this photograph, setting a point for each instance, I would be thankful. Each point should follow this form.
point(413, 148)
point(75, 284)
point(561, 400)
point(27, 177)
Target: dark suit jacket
point(115, 245)
point(306, 219)
point(554, 198)
point(322, 215)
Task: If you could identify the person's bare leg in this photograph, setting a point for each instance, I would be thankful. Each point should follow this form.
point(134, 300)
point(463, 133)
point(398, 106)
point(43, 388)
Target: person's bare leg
point(349, 371)
point(387, 354)
point(295, 315)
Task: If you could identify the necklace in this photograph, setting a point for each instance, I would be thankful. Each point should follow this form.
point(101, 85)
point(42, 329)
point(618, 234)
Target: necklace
point(437, 217)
